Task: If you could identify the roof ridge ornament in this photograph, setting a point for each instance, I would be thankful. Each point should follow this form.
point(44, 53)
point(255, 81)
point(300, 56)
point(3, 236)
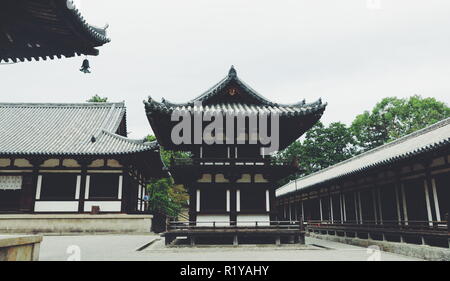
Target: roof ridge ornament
point(232, 73)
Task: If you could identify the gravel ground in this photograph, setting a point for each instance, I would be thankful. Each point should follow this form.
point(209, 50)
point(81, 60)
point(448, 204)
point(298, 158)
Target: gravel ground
point(151, 248)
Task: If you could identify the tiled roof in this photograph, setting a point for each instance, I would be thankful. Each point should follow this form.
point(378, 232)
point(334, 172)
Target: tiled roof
point(425, 140)
point(46, 28)
point(235, 108)
point(232, 77)
point(65, 129)
point(258, 104)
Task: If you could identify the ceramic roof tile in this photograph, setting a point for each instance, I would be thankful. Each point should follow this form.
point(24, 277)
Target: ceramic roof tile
point(65, 129)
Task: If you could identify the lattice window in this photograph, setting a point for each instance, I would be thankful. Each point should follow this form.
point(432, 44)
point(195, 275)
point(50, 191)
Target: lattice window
point(10, 182)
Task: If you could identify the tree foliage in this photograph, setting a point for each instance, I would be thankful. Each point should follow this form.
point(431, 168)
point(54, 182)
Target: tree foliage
point(167, 155)
point(166, 197)
point(393, 118)
point(322, 147)
point(390, 119)
point(97, 98)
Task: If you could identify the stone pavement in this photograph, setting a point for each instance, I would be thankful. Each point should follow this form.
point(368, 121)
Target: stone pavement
point(126, 248)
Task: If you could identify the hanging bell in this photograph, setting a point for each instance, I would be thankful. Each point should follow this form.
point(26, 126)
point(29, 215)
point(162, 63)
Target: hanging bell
point(85, 67)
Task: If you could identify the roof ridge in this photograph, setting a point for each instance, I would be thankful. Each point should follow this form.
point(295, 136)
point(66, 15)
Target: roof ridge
point(123, 115)
point(422, 131)
point(105, 121)
point(232, 76)
point(84, 104)
point(254, 92)
point(211, 89)
point(135, 141)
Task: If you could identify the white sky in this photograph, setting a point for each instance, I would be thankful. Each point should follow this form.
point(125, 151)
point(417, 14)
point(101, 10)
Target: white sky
point(349, 54)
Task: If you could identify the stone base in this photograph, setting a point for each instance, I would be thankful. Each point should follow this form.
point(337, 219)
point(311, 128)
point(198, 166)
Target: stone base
point(76, 223)
point(417, 251)
point(22, 248)
point(236, 236)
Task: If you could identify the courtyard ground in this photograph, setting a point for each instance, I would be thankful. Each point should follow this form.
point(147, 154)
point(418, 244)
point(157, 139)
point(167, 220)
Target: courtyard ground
point(151, 248)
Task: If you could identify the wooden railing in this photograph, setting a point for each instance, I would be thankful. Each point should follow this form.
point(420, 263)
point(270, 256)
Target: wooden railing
point(226, 162)
point(212, 225)
point(387, 226)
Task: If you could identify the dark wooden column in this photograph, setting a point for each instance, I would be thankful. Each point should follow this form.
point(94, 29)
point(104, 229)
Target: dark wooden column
point(127, 186)
point(233, 202)
point(28, 192)
point(84, 164)
point(144, 184)
point(192, 203)
point(233, 177)
point(29, 185)
point(134, 191)
point(273, 207)
point(274, 211)
point(448, 226)
point(126, 192)
point(399, 197)
point(145, 206)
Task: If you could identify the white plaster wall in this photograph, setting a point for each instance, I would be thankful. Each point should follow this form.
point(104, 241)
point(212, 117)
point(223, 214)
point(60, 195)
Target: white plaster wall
point(22, 163)
point(206, 220)
point(50, 163)
point(56, 206)
point(105, 206)
point(206, 178)
point(71, 163)
point(250, 220)
point(97, 163)
point(5, 162)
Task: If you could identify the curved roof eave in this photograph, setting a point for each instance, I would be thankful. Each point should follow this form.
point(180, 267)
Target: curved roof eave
point(48, 29)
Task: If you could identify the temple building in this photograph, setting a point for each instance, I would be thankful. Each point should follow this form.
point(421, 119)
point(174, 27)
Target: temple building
point(41, 29)
point(72, 158)
point(398, 192)
point(230, 175)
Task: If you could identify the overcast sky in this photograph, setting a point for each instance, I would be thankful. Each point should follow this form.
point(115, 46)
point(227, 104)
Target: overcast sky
point(349, 53)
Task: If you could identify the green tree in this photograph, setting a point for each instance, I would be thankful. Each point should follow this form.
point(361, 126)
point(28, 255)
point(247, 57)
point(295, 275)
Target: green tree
point(390, 119)
point(167, 155)
point(322, 147)
point(97, 98)
point(393, 118)
point(166, 197)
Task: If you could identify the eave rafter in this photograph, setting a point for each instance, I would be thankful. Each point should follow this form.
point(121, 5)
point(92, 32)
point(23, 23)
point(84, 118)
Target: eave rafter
point(41, 29)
